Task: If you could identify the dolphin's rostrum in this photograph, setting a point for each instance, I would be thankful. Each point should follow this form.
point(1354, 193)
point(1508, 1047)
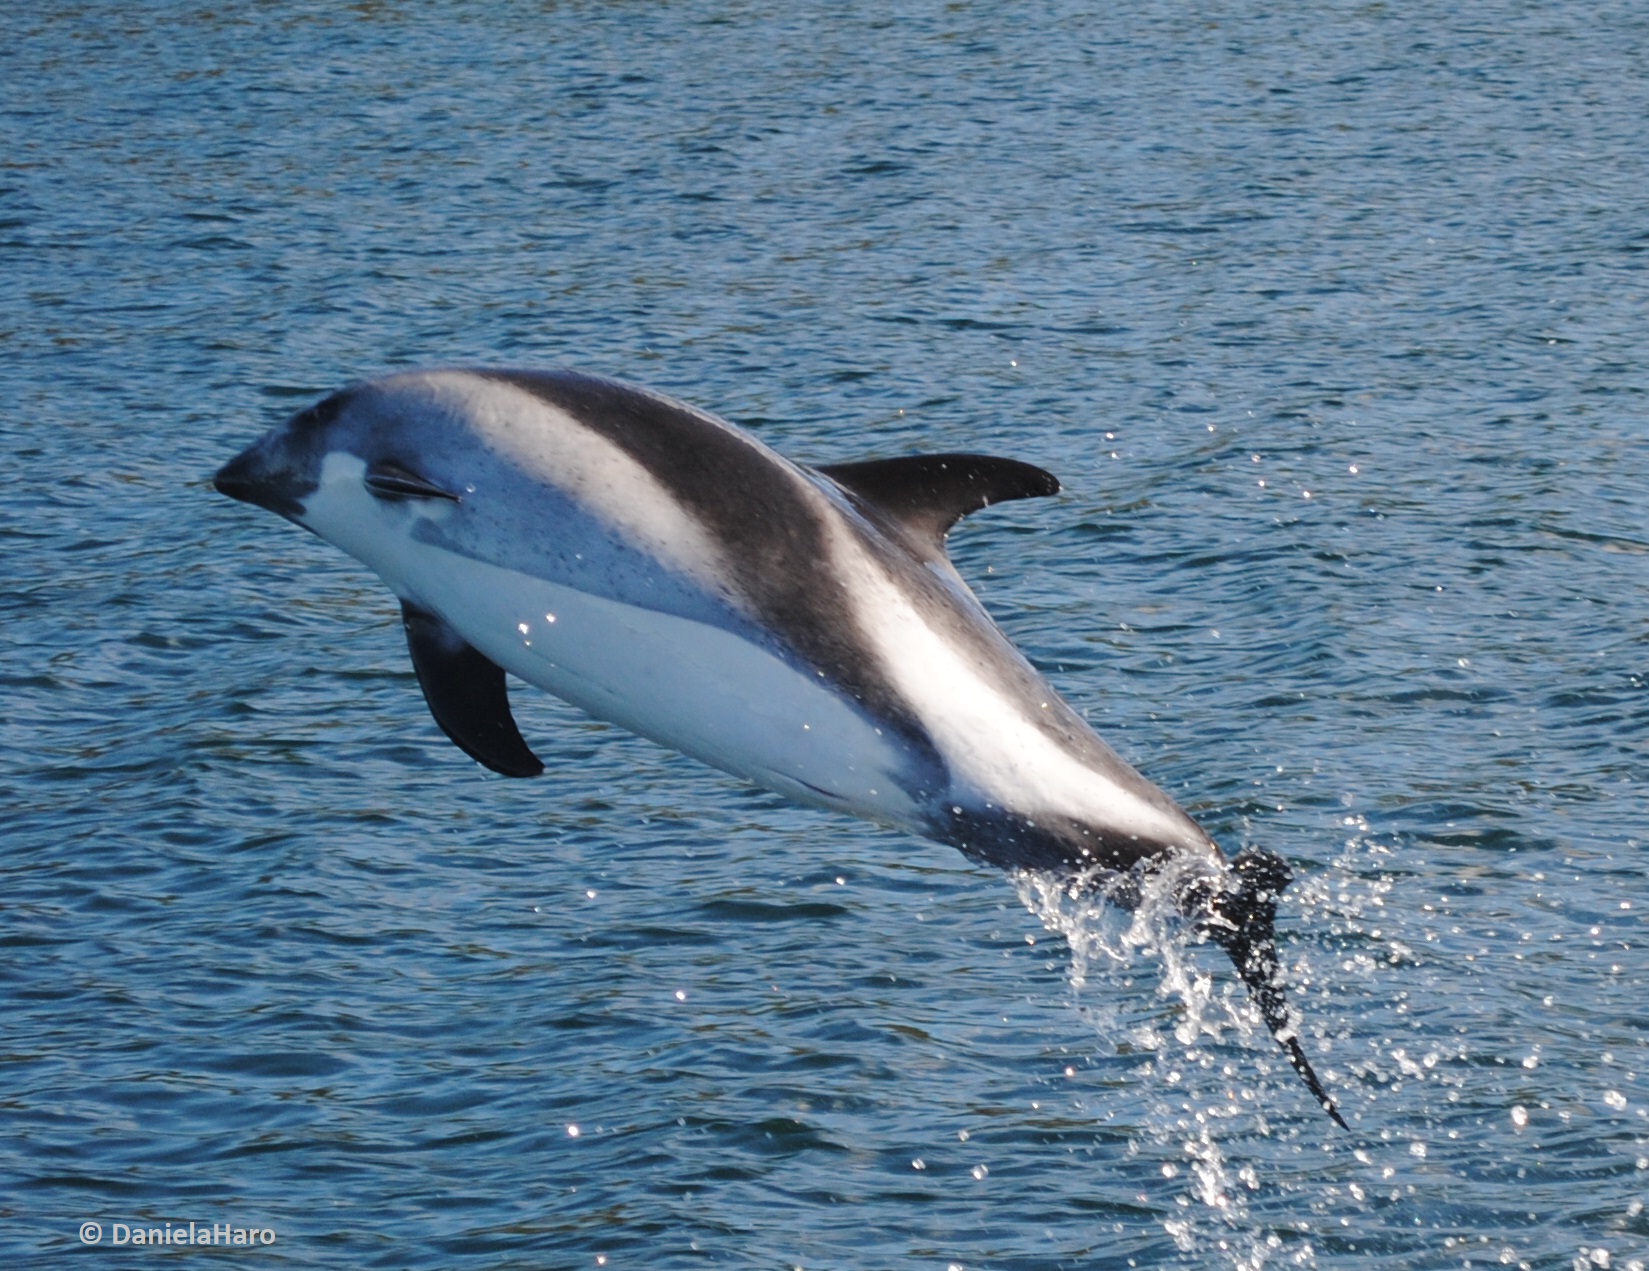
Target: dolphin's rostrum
point(800, 627)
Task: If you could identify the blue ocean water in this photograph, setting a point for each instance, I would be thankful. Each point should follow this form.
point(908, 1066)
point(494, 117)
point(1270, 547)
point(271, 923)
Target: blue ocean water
point(1331, 319)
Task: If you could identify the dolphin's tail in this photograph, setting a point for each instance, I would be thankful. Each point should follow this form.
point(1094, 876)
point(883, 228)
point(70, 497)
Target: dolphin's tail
point(1244, 925)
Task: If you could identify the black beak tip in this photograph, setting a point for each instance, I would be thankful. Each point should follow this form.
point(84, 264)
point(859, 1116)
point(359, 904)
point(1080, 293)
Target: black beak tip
point(232, 479)
point(225, 482)
point(243, 480)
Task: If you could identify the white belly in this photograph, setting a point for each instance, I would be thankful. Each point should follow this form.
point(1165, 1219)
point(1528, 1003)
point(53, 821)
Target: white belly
point(691, 686)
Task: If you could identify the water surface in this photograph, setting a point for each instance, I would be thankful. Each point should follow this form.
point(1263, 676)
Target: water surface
point(1330, 318)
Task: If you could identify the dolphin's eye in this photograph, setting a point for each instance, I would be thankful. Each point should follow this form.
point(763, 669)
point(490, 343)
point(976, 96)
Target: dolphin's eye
point(393, 482)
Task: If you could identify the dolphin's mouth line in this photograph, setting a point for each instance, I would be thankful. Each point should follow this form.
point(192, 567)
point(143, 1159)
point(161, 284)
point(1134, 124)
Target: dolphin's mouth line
point(241, 481)
point(262, 497)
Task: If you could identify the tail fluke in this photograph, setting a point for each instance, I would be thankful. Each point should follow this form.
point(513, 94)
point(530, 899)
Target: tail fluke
point(1244, 925)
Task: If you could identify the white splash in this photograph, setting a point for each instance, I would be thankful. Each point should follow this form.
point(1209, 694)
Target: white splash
point(1184, 1123)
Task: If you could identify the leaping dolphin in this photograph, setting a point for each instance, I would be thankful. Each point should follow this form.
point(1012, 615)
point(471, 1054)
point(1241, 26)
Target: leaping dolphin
point(800, 627)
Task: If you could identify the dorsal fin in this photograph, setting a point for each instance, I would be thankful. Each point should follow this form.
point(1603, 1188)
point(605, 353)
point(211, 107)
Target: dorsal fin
point(927, 494)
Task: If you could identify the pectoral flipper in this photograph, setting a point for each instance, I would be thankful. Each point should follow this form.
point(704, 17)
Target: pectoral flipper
point(466, 694)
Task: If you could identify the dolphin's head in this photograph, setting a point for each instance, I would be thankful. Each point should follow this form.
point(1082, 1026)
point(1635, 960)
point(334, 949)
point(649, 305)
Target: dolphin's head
point(387, 442)
point(378, 465)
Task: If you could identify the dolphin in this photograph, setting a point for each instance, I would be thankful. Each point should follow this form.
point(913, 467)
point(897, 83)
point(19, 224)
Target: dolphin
point(800, 627)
